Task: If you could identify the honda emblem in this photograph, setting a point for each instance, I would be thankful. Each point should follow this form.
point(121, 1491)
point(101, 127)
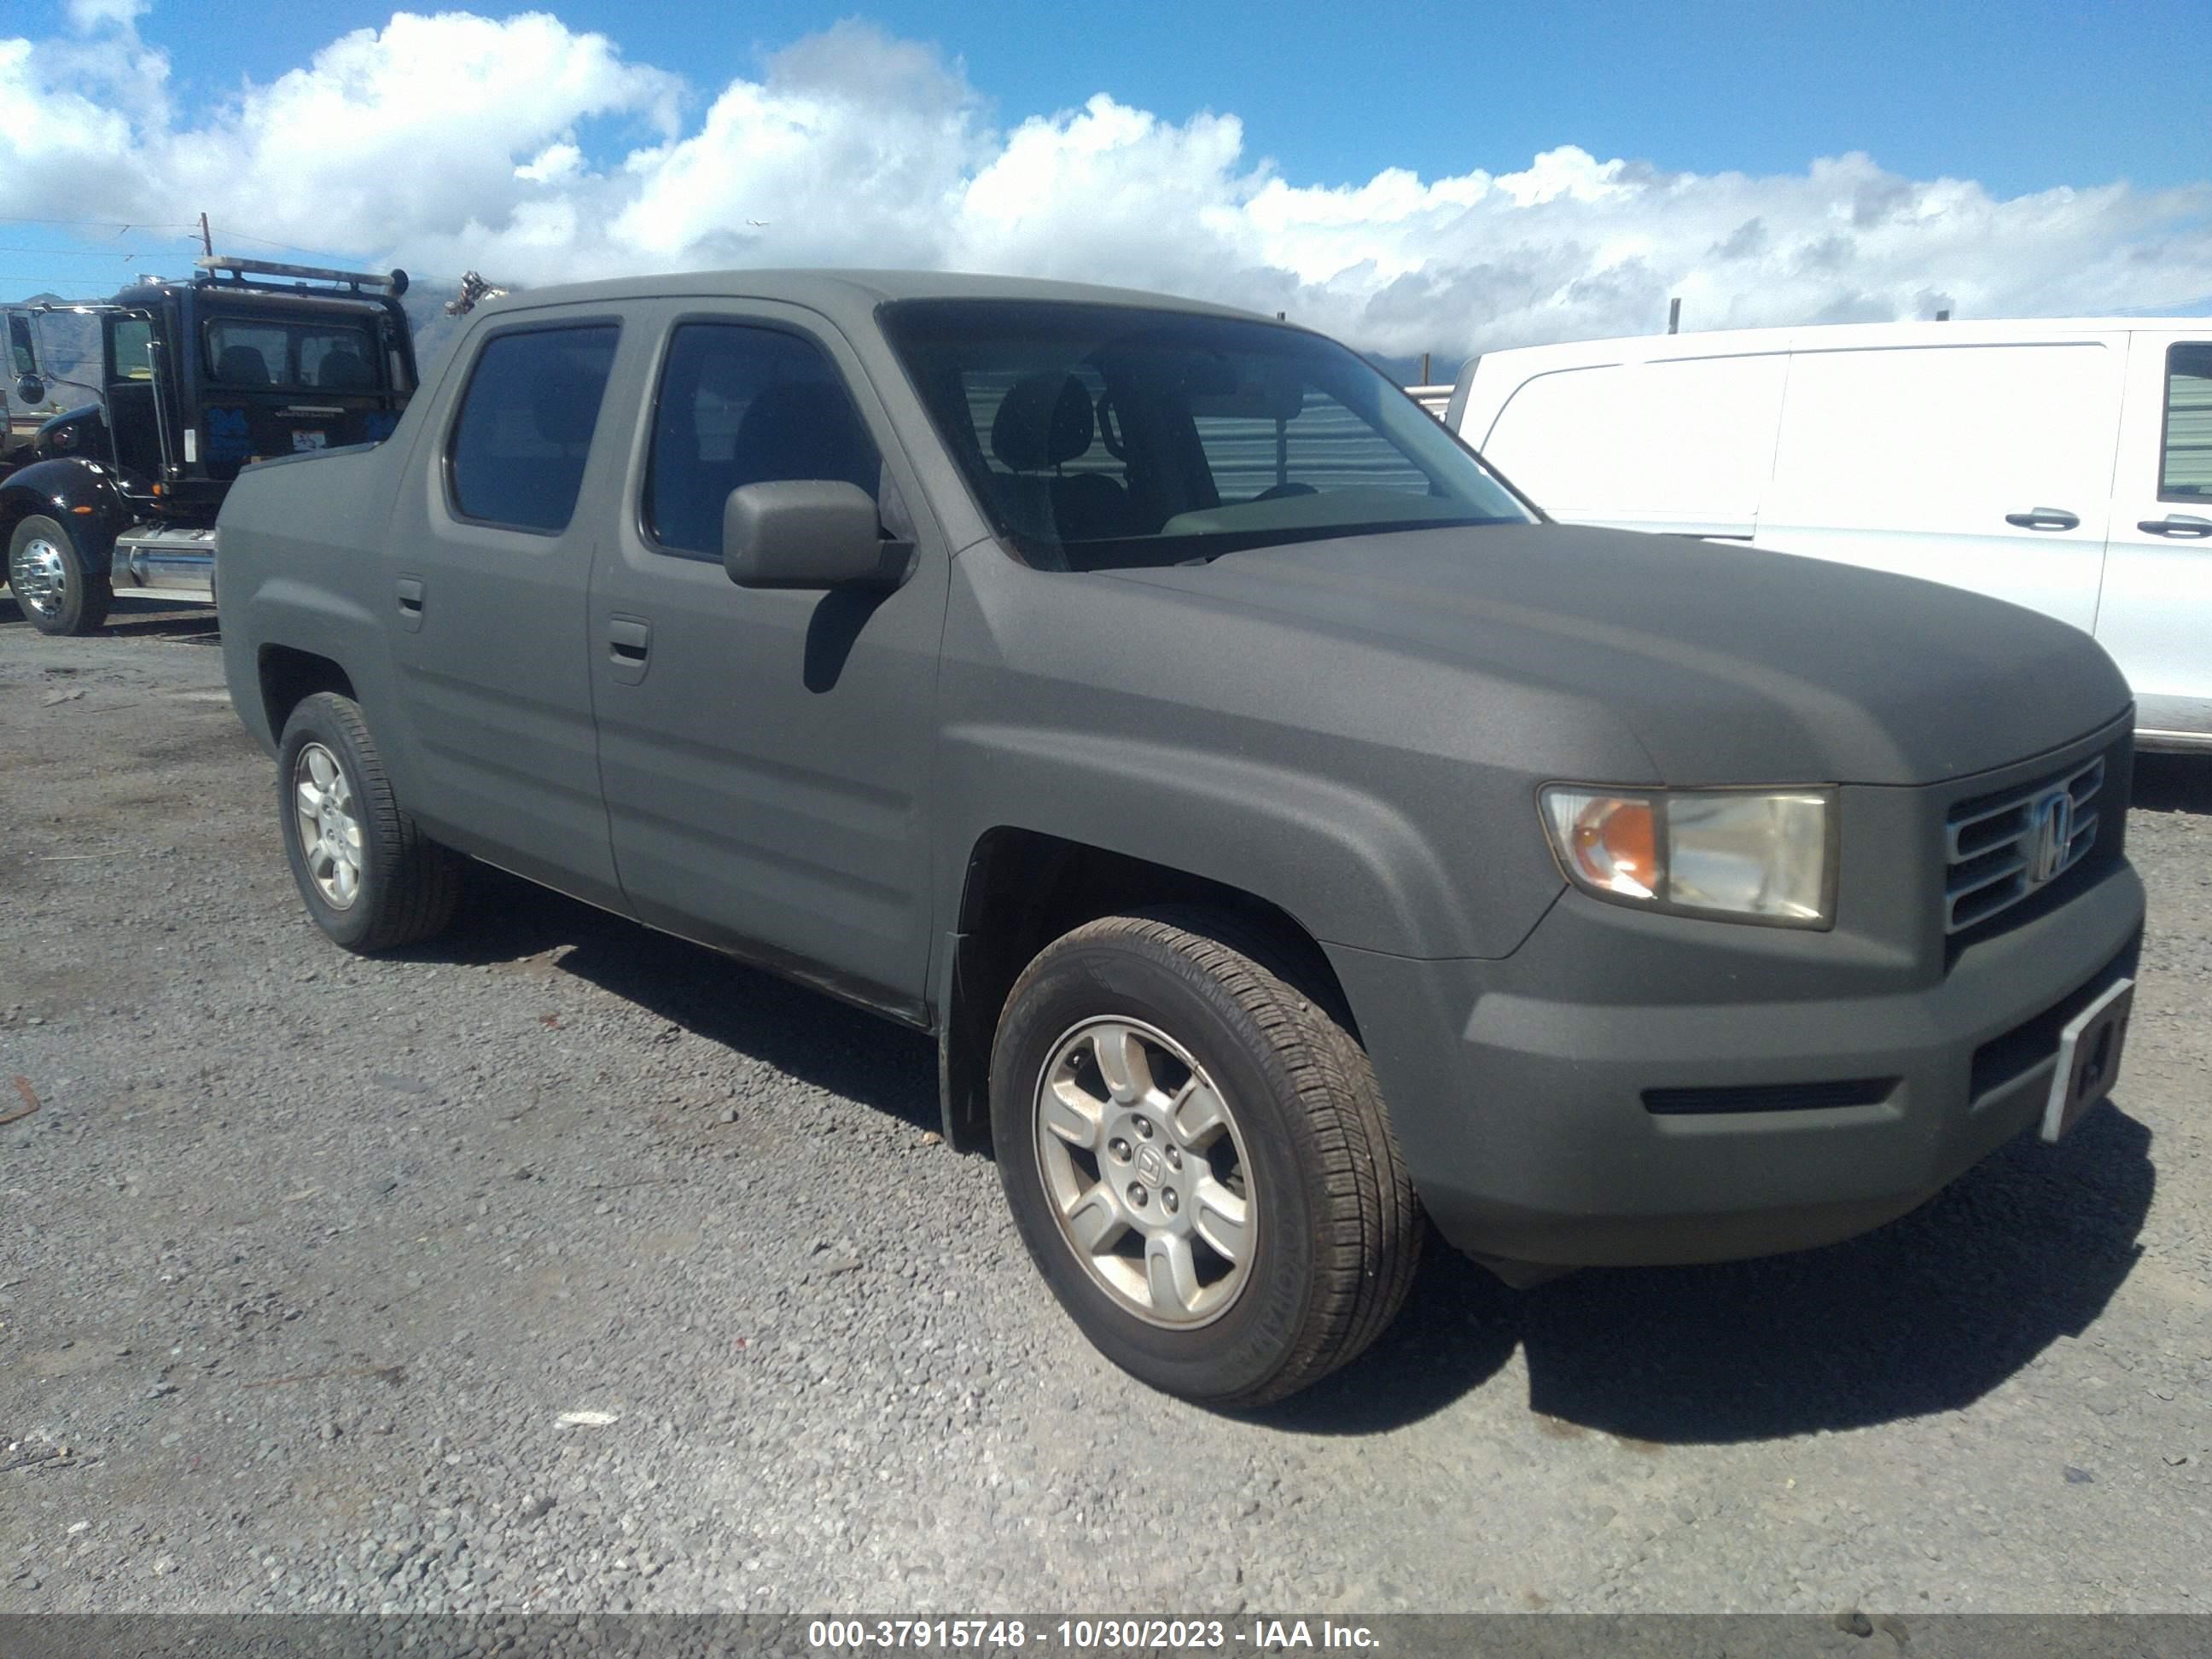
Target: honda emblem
point(2050, 829)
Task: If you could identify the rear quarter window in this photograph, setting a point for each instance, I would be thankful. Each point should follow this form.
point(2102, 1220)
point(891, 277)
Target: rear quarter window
point(524, 429)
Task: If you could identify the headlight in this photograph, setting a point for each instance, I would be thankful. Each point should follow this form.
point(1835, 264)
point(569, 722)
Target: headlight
point(1745, 855)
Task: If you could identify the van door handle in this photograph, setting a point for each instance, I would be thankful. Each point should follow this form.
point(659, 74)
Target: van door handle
point(2045, 518)
point(2177, 523)
point(411, 591)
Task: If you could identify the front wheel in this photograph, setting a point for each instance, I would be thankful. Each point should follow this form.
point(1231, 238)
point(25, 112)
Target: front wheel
point(60, 589)
point(1197, 1159)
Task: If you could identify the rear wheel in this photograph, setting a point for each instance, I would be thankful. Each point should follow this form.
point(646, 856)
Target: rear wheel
point(370, 877)
point(1197, 1157)
point(60, 588)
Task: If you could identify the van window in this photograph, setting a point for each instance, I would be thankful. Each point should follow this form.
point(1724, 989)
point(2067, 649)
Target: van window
point(1689, 438)
point(1915, 431)
point(2185, 472)
point(742, 405)
point(526, 423)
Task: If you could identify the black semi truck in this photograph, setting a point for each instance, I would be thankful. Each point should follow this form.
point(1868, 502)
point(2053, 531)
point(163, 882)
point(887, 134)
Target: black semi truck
point(196, 379)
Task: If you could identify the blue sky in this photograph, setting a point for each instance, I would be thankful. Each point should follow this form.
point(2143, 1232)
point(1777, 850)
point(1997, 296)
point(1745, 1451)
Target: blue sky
point(2021, 96)
point(1411, 176)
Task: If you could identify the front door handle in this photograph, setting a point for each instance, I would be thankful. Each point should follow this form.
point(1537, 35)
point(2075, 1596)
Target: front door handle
point(629, 642)
point(2177, 523)
point(2045, 518)
point(411, 591)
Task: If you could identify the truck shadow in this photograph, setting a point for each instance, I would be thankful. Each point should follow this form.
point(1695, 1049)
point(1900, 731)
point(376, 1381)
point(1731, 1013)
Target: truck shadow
point(1926, 1314)
point(812, 1037)
point(136, 616)
point(2173, 783)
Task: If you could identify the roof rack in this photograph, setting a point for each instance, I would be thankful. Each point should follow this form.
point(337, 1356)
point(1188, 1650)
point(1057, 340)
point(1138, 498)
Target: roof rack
point(238, 270)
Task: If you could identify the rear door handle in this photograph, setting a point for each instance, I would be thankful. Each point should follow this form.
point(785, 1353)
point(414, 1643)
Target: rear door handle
point(411, 591)
point(2045, 518)
point(2177, 523)
point(629, 642)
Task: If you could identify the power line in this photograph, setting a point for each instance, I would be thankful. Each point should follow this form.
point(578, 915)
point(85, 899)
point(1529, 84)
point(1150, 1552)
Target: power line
point(228, 235)
point(72, 253)
point(192, 226)
point(98, 224)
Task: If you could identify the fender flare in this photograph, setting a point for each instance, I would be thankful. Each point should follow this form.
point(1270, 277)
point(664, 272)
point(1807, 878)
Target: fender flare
point(81, 495)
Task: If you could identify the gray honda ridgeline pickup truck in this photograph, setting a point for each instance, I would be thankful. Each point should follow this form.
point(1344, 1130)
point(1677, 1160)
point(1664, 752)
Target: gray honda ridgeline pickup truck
point(1285, 831)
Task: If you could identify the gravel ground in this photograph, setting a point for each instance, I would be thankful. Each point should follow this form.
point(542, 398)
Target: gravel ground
point(563, 1266)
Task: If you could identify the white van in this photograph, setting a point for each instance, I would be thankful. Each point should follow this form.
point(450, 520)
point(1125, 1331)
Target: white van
point(2066, 464)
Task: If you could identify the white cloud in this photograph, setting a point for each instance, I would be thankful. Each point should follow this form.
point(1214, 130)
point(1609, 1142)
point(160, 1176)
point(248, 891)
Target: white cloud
point(536, 152)
point(86, 16)
point(553, 164)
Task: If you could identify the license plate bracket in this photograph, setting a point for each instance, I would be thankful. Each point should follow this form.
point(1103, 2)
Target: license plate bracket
point(2088, 1058)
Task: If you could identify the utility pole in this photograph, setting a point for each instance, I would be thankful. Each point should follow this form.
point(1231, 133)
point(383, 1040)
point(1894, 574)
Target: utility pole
point(1675, 316)
point(207, 242)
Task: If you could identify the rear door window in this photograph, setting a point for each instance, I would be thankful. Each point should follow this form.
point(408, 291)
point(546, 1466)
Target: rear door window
point(2185, 472)
point(524, 431)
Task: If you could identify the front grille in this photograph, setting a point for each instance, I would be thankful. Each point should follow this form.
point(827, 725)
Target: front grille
point(2001, 848)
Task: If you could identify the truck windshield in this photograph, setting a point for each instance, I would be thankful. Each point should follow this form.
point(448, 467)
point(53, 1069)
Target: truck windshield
point(325, 356)
point(1101, 436)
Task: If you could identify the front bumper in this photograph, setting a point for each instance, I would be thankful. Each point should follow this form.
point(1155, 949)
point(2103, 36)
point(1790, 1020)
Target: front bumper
point(1636, 1090)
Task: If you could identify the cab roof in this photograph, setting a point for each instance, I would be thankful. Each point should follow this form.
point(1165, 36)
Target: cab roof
point(848, 295)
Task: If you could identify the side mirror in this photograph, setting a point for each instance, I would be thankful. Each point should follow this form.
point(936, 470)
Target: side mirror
point(31, 389)
point(811, 533)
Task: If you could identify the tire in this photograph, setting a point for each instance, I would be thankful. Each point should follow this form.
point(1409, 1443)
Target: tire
point(1331, 1230)
point(60, 589)
point(374, 881)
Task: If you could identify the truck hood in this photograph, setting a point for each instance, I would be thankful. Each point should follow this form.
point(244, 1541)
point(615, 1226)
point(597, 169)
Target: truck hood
point(1727, 664)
